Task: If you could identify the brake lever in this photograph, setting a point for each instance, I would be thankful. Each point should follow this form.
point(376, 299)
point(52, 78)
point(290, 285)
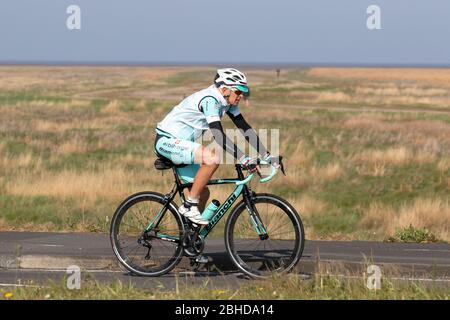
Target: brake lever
point(258, 172)
point(282, 168)
point(258, 162)
point(282, 165)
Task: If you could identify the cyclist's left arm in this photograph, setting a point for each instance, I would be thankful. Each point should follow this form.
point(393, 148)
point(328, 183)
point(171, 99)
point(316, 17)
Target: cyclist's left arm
point(249, 133)
point(251, 136)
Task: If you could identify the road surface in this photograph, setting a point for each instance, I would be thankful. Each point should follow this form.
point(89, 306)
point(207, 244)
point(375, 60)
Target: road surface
point(40, 256)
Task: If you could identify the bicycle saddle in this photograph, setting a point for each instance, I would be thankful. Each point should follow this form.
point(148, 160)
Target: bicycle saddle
point(164, 163)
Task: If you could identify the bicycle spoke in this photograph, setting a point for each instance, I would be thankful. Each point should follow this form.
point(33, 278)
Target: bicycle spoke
point(155, 254)
point(274, 254)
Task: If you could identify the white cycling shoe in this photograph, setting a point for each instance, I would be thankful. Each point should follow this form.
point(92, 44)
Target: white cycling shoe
point(191, 212)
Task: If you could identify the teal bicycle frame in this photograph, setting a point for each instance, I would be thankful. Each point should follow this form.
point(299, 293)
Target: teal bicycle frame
point(241, 189)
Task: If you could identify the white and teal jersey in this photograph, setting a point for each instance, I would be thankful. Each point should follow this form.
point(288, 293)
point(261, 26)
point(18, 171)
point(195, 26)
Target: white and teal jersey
point(190, 118)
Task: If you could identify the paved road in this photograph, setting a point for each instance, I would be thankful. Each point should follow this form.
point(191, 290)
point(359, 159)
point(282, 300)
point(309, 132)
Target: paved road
point(26, 256)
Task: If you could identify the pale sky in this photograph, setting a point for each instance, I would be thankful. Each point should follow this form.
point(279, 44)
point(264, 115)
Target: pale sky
point(414, 32)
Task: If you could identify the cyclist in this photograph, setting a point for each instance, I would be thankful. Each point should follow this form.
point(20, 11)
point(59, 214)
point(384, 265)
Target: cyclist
point(177, 132)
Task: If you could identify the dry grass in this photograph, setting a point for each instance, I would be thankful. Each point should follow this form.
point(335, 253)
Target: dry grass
point(295, 178)
point(336, 97)
point(395, 156)
point(385, 87)
point(308, 205)
point(25, 77)
point(393, 94)
point(392, 156)
point(433, 214)
point(330, 172)
point(302, 153)
point(112, 107)
point(25, 160)
point(430, 213)
point(378, 217)
point(109, 183)
point(427, 76)
point(429, 139)
point(395, 90)
point(107, 122)
point(107, 142)
point(72, 146)
point(443, 164)
point(441, 102)
point(372, 169)
point(368, 121)
point(54, 127)
point(269, 113)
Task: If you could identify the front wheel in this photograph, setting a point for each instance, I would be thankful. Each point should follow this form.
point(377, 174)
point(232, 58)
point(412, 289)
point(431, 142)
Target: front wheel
point(275, 251)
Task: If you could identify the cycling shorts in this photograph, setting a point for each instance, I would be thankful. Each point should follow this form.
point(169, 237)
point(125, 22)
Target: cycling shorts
point(179, 151)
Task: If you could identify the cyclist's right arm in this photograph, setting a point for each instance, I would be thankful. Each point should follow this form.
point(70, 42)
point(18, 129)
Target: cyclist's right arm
point(221, 138)
point(211, 108)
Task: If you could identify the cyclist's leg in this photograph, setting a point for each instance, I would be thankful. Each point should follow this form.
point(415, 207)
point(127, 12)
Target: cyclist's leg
point(210, 163)
point(204, 196)
point(187, 174)
point(200, 175)
point(193, 154)
point(178, 151)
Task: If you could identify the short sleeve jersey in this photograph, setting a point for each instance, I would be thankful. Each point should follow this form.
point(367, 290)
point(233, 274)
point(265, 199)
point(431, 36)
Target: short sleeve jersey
point(190, 118)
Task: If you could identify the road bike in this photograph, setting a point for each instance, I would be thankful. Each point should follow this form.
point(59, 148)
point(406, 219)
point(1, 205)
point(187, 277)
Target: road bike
point(263, 234)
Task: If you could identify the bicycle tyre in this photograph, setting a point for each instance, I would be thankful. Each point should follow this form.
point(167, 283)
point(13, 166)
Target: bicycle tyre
point(243, 259)
point(158, 200)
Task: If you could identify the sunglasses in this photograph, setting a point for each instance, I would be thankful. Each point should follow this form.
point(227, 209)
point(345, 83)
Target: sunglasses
point(237, 92)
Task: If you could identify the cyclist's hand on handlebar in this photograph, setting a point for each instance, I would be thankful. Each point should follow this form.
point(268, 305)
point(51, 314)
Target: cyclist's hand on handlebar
point(274, 161)
point(251, 164)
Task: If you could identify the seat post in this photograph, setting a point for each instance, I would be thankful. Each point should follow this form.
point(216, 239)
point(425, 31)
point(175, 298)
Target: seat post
point(178, 184)
point(177, 179)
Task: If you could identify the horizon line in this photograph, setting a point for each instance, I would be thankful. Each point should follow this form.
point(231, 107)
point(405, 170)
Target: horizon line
point(249, 64)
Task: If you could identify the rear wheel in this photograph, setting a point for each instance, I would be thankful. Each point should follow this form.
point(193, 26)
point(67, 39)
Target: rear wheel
point(262, 257)
point(142, 250)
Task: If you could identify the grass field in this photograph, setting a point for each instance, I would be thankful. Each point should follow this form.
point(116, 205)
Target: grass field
point(322, 287)
point(367, 150)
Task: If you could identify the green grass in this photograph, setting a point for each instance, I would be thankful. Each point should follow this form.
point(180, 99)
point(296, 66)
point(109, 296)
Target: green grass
point(19, 210)
point(98, 104)
point(15, 147)
point(55, 214)
point(335, 221)
point(412, 234)
point(186, 78)
point(292, 287)
point(122, 138)
point(14, 97)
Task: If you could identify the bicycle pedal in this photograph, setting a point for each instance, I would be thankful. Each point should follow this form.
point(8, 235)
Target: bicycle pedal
point(201, 259)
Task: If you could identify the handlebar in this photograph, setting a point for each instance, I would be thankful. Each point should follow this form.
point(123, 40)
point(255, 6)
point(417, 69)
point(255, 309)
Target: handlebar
point(262, 180)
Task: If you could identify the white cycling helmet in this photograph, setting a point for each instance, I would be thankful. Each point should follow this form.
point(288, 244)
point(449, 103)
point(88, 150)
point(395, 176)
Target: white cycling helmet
point(231, 78)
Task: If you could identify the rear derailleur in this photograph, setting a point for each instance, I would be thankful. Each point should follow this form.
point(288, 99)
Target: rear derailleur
point(145, 241)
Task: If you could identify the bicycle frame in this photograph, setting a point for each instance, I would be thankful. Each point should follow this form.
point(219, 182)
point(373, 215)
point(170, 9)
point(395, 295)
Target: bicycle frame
point(241, 189)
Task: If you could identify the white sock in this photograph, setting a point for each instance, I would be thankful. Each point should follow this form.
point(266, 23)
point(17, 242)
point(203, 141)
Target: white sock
point(192, 200)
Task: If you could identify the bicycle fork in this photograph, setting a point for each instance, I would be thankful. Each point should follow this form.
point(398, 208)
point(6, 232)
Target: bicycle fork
point(257, 223)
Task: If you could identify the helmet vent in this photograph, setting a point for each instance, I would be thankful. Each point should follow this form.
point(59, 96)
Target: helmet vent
point(230, 77)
